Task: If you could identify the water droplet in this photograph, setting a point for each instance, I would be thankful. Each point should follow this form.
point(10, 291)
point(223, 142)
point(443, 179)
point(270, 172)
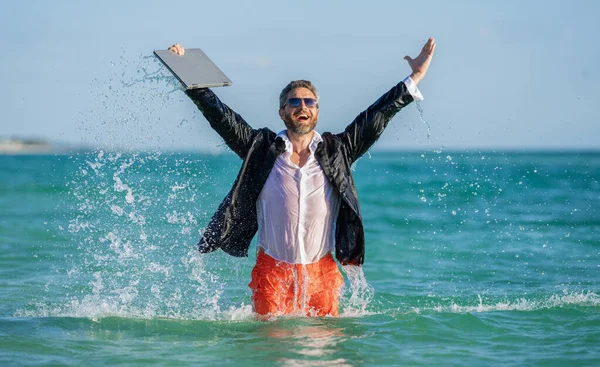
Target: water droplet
point(423, 120)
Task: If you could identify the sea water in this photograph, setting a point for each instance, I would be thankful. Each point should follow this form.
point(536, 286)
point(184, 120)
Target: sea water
point(471, 258)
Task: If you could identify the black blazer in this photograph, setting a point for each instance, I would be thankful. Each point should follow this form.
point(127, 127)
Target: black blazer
point(235, 223)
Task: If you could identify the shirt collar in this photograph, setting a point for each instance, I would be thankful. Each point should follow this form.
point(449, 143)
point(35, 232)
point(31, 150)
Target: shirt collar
point(313, 144)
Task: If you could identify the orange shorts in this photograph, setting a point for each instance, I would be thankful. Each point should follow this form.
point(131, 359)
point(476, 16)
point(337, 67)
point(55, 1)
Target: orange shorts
point(281, 288)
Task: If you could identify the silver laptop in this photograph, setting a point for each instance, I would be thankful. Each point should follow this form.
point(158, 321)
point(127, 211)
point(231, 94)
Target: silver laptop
point(194, 69)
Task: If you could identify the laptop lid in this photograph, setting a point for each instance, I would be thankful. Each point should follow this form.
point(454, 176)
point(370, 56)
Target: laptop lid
point(194, 69)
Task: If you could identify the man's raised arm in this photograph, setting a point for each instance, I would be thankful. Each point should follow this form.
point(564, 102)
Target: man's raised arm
point(366, 128)
point(234, 130)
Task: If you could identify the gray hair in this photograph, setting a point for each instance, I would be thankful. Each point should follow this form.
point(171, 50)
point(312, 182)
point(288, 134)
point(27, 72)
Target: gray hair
point(293, 85)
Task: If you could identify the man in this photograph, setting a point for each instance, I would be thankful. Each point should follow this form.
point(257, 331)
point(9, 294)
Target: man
point(296, 190)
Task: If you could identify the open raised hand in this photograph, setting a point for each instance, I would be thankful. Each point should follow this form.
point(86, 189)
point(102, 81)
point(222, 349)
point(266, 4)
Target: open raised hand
point(420, 64)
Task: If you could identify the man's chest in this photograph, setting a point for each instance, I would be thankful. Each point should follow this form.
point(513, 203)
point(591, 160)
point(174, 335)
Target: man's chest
point(288, 182)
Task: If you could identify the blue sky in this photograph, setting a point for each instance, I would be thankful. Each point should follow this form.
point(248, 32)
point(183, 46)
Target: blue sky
point(506, 74)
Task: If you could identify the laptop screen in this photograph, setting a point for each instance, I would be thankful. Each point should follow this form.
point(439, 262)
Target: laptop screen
point(194, 69)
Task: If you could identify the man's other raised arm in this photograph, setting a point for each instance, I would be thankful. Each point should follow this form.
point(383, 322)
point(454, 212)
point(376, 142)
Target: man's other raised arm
point(366, 128)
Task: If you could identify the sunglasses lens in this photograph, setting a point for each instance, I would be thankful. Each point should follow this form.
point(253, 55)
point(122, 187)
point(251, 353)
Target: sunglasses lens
point(310, 102)
point(294, 102)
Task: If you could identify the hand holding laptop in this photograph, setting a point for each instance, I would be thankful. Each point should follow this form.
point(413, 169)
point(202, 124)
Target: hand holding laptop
point(178, 49)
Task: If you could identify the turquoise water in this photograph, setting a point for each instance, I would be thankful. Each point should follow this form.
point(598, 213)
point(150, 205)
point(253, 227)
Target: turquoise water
point(472, 259)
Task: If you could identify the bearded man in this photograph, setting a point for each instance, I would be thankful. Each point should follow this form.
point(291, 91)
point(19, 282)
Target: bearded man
point(295, 189)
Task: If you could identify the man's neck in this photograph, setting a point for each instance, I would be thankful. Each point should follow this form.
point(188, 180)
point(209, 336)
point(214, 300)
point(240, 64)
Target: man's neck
point(300, 143)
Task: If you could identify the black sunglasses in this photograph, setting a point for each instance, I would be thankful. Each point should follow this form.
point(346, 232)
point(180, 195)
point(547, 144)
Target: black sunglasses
point(297, 102)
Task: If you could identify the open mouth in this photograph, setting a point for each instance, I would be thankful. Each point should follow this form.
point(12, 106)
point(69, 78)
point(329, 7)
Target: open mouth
point(302, 117)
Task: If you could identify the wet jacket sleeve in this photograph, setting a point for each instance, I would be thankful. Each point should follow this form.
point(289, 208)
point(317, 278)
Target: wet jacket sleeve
point(234, 130)
point(366, 128)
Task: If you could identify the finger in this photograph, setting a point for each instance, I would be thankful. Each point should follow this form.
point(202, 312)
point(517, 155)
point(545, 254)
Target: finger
point(407, 58)
point(426, 46)
point(431, 51)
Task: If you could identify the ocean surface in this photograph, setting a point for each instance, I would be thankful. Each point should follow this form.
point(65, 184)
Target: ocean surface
point(472, 258)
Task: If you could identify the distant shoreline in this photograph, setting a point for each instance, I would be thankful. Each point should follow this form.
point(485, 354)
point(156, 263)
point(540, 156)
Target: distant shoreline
point(33, 146)
point(16, 146)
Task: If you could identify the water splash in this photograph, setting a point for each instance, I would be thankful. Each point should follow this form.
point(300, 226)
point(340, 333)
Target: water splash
point(131, 243)
point(357, 295)
point(420, 109)
point(137, 105)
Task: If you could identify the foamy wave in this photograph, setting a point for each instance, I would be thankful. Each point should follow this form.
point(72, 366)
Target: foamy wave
point(580, 299)
point(94, 309)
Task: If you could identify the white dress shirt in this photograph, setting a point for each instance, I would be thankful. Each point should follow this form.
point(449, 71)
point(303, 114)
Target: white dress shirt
point(297, 207)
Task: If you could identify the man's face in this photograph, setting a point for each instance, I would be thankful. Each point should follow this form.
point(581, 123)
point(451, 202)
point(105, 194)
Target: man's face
point(302, 119)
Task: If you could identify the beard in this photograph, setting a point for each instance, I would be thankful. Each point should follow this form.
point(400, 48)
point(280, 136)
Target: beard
point(300, 127)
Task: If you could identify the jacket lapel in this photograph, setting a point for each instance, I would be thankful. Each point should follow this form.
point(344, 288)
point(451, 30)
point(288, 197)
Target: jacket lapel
point(276, 148)
point(268, 162)
point(323, 160)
